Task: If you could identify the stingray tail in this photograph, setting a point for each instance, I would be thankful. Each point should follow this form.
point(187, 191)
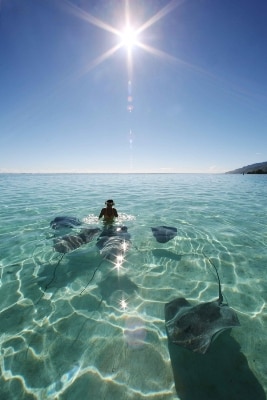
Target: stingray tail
point(54, 276)
point(91, 278)
point(220, 289)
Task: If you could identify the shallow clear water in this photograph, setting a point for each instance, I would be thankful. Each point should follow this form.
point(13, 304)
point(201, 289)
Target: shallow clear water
point(62, 339)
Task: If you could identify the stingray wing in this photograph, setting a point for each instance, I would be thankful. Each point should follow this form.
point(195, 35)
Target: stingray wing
point(195, 327)
point(163, 234)
point(114, 247)
point(69, 243)
point(65, 222)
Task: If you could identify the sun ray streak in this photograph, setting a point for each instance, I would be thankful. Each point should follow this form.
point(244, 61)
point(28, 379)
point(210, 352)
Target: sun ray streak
point(91, 19)
point(129, 64)
point(160, 53)
point(160, 14)
point(127, 12)
point(102, 57)
point(168, 57)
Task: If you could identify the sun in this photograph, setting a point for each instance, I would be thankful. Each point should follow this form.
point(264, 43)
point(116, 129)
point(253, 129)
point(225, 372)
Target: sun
point(128, 37)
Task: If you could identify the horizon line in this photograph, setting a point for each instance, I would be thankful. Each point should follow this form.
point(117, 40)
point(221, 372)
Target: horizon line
point(105, 173)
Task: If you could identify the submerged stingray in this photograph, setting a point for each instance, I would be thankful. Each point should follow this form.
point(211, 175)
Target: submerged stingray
point(164, 233)
point(114, 242)
point(67, 243)
point(65, 222)
point(195, 327)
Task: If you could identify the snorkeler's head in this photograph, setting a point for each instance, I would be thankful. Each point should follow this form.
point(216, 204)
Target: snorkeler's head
point(110, 203)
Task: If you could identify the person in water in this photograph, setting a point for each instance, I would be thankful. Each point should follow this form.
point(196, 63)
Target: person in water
point(109, 213)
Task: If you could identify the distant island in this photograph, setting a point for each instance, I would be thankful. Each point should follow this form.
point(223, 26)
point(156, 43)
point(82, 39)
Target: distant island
point(259, 168)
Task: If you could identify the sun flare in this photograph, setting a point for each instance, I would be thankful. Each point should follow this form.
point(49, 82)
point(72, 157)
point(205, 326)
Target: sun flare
point(128, 37)
point(123, 304)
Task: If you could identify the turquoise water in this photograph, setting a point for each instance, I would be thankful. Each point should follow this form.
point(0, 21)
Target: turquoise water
point(61, 339)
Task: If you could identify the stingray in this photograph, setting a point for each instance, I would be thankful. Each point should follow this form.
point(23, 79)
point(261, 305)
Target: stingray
point(113, 242)
point(67, 243)
point(195, 327)
point(65, 222)
point(164, 233)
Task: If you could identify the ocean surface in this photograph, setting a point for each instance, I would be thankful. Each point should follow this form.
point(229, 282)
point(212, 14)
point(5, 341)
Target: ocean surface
point(79, 325)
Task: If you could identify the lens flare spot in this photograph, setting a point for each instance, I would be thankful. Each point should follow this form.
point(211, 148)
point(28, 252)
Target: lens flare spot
point(123, 304)
point(119, 262)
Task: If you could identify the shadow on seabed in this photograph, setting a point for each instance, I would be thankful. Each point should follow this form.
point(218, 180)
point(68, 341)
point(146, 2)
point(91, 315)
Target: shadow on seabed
point(222, 373)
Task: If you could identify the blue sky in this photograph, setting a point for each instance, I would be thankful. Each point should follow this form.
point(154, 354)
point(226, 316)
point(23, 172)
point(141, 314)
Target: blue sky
point(198, 85)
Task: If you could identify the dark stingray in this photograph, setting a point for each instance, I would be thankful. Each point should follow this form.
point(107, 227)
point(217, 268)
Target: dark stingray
point(65, 222)
point(67, 243)
point(164, 233)
point(195, 327)
point(113, 242)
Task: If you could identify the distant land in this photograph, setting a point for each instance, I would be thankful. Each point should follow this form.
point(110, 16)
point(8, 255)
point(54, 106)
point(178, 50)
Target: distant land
point(259, 168)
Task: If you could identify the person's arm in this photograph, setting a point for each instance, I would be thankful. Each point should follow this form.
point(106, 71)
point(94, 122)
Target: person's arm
point(115, 212)
point(101, 213)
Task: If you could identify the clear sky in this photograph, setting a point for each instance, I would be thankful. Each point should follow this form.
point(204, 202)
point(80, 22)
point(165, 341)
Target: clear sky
point(188, 95)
